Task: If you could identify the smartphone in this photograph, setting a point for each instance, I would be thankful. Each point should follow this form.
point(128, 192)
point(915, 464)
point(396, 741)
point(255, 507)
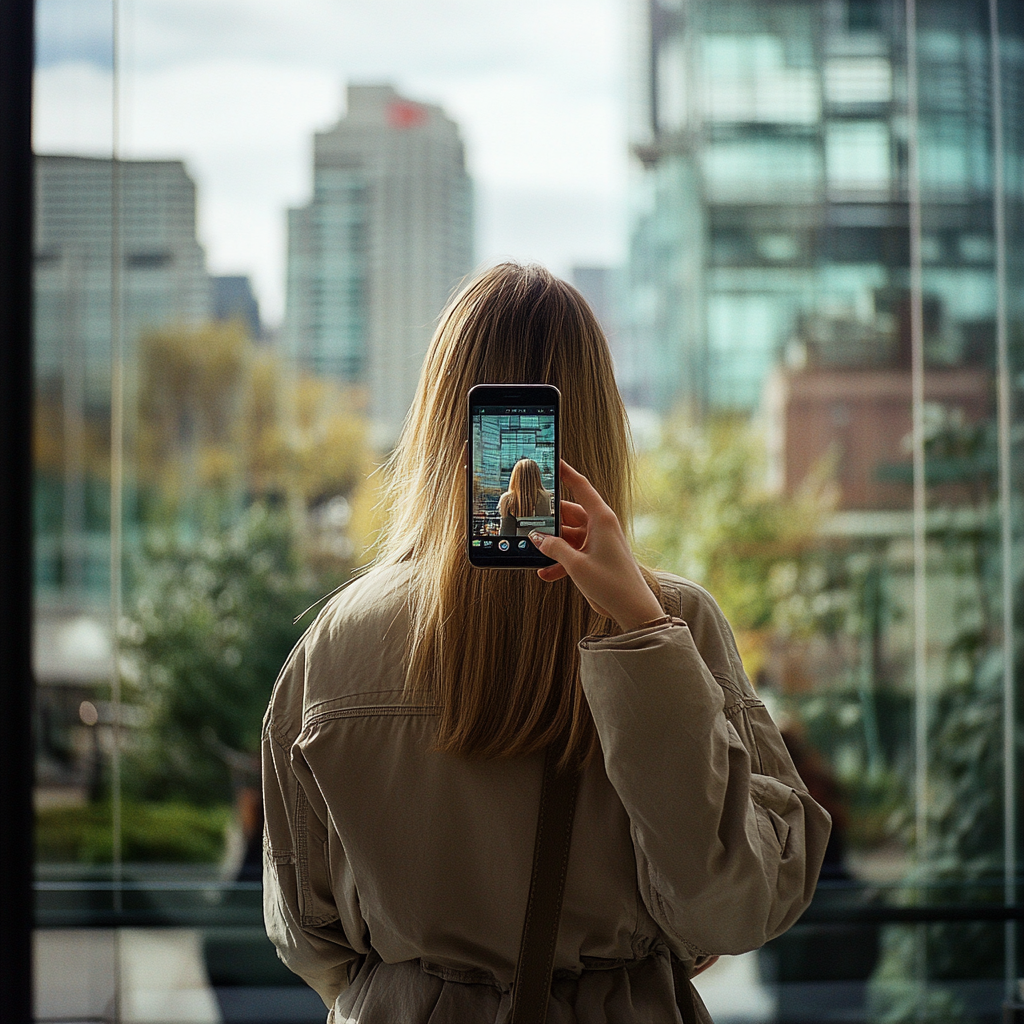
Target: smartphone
point(511, 473)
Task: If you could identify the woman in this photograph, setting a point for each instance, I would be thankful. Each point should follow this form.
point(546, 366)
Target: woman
point(525, 498)
point(404, 743)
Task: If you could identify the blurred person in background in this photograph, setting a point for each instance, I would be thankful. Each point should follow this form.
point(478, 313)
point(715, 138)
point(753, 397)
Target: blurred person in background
point(407, 734)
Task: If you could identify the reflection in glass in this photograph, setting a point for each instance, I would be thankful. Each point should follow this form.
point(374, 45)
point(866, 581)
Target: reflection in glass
point(797, 300)
point(832, 270)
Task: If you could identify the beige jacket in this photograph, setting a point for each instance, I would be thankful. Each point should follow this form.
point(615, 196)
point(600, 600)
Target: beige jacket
point(396, 877)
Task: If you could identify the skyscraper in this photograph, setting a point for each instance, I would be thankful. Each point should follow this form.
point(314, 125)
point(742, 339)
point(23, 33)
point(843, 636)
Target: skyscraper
point(234, 299)
point(162, 277)
point(773, 195)
point(375, 254)
point(93, 217)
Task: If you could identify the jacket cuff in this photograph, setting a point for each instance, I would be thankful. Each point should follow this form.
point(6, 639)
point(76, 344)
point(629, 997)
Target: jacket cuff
point(630, 640)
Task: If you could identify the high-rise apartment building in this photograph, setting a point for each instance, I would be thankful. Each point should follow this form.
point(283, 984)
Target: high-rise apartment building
point(375, 254)
point(93, 217)
point(772, 203)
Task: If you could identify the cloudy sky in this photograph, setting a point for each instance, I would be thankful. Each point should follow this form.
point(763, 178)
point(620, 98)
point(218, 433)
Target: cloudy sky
point(236, 88)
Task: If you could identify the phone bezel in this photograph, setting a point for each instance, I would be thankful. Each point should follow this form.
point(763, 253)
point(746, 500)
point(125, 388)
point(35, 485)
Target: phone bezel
point(502, 395)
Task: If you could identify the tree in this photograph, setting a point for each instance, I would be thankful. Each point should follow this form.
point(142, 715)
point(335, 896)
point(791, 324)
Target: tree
point(705, 512)
point(221, 422)
point(208, 631)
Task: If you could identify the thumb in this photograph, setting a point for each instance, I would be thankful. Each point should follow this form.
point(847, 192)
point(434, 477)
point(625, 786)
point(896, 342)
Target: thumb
point(554, 547)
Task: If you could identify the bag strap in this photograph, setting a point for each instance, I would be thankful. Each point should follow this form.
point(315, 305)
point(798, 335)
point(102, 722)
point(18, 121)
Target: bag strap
point(532, 986)
point(684, 993)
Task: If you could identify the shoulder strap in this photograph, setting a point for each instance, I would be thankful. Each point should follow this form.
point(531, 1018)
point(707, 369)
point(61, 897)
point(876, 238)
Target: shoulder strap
point(684, 993)
point(532, 985)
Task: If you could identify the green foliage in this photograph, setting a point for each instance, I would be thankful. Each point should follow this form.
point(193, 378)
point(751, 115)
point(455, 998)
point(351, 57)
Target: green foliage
point(835, 725)
point(210, 627)
point(707, 513)
point(962, 851)
point(896, 996)
point(163, 833)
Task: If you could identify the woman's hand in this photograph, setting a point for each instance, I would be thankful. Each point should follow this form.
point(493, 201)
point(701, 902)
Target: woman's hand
point(594, 552)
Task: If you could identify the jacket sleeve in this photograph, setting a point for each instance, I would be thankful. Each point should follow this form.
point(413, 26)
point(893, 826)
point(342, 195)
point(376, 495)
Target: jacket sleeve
point(299, 908)
point(727, 857)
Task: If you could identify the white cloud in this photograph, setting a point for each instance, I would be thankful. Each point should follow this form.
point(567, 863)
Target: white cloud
point(236, 88)
point(71, 110)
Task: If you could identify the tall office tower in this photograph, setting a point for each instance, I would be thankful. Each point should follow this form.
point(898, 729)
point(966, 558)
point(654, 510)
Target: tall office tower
point(375, 254)
point(161, 280)
point(772, 214)
point(234, 299)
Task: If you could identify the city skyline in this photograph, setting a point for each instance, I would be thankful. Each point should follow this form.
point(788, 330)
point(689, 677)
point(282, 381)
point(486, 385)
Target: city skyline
point(538, 91)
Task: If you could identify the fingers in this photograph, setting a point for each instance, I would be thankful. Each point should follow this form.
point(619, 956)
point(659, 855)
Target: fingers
point(573, 514)
point(575, 535)
point(582, 489)
point(550, 573)
point(554, 547)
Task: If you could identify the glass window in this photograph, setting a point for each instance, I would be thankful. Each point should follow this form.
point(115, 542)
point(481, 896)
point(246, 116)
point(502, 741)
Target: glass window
point(747, 79)
point(857, 154)
point(855, 80)
point(786, 168)
point(239, 260)
point(896, 389)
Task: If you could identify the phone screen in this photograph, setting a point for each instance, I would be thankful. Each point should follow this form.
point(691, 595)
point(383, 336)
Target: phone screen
point(513, 473)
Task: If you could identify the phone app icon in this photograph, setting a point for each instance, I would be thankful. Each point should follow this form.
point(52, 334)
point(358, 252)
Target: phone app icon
point(476, 543)
point(522, 545)
point(503, 545)
point(488, 543)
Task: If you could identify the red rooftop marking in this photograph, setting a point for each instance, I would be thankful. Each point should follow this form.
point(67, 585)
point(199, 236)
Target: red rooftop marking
point(402, 114)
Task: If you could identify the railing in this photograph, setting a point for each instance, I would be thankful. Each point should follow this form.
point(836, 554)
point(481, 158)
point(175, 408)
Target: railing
point(823, 969)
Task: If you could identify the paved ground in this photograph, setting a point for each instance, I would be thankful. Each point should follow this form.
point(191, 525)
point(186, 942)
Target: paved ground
point(161, 973)
point(162, 980)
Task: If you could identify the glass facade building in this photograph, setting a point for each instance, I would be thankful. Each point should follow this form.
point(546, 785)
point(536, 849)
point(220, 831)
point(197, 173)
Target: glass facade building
point(772, 199)
point(827, 235)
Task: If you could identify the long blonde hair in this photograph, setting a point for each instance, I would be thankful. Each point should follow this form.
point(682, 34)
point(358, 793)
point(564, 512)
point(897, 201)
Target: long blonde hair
point(498, 649)
point(524, 484)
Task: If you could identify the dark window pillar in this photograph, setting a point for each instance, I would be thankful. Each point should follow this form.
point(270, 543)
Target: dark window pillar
point(16, 37)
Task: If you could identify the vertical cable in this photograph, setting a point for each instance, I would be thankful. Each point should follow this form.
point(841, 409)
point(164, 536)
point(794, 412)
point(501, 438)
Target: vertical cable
point(116, 485)
point(1005, 493)
point(920, 547)
point(917, 400)
point(116, 452)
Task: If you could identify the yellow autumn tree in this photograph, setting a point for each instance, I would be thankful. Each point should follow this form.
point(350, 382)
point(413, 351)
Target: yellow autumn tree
point(220, 420)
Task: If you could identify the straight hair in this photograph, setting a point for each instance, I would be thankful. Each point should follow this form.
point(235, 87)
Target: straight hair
point(497, 649)
point(524, 484)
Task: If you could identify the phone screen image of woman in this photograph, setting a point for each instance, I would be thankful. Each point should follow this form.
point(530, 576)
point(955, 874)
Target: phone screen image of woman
point(513, 479)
